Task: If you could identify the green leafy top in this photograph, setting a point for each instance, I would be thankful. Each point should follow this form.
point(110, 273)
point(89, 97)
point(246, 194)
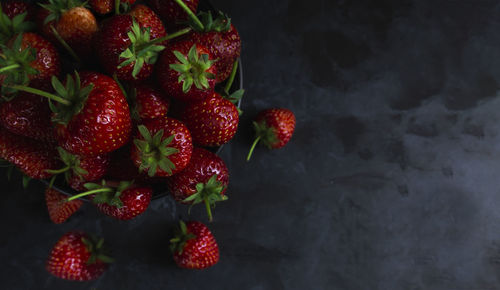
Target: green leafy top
point(154, 151)
point(97, 252)
point(15, 65)
point(58, 7)
point(208, 193)
point(181, 236)
point(10, 27)
point(193, 69)
point(72, 163)
point(265, 133)
point(141, 50)
point(222, 23)
point(74, 95)
point(106, 194)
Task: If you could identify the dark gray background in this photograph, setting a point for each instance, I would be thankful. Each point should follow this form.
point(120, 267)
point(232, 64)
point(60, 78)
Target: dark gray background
point(391, 180)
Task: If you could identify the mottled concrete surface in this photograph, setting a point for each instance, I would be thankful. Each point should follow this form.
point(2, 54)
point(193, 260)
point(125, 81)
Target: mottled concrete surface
point(390, 182)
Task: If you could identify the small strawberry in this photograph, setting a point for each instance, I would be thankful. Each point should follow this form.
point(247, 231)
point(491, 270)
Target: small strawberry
point(78, 257)
point(274, 128)
point(124, 202)
point(194, 246)
point(212, 122)
point(171, 13)
point(28, 115)
point(79, 170)
point(12, 8)
point(59, 209)
point(70, 21)
point(31, 157)
point(106, 6)
point(162, 147)
point(183, 65)
point(205, 179)
point(149, 103)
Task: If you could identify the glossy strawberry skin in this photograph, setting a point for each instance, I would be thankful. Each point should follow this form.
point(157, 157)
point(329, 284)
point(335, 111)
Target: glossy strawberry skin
point(182, 142)
point(13, 7)
point(212, 122)
point(106, 6)
point(150, 103)
point(28, 115)
point(135, 202)
point(203, 165)
point(60, 210)
point(168, 78)
point(104, 123)
point(282, 120)
point(68, 259)
point(148, 18)
point(200, 252)
point(96, 167)
point(171, 13)
point(30, 156)
point(224, 46)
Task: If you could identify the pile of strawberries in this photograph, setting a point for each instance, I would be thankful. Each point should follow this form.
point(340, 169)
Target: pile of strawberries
point(148, 88)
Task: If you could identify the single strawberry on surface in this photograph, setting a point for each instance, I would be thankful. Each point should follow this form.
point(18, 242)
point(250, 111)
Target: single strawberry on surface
point(273, 128)
point(194, 246)
point(186, 71)
point(212, 121)
point(204, 180)
point(78, 256)
point(162, 147)
point(171, 13)
point(59, 209)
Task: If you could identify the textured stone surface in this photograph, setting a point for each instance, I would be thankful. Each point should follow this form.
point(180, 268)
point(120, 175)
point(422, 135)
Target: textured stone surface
point(390, 182)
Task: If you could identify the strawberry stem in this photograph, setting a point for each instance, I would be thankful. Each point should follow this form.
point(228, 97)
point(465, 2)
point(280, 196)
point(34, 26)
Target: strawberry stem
point(191, 14)
point(230, 81)
point(9, 67)
point(165, 38)
point(89, 193)
point(58, 171)
point(209, 210)
point(117, 7)
point(64, 44)
point(41, 93)
point(252, 148)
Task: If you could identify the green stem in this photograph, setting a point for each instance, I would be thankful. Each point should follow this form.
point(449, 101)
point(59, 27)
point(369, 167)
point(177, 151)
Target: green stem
point(64, 44)
point(9, 67)
point(117, 7)
point(191, 14)
point(58, 171)
point(41, 93)
point(89, 193)
point(165, 38)
point(252, 148)
point(209, 210)
point(230, 81)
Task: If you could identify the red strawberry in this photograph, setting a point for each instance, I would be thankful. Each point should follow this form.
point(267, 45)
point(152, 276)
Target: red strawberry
point(274, 128)
point(12, 8)
point(183, 64)
point(72, 22)
point(205, 179)
point(59, 209)
point(147, 18)
point(171, 13)
point(162, 147)
point(106, 6)
point(194, 246)
point(31, 157)
point(121, 167)
point(149, 103)
point(29, 116)
point(126, 48)
point(77, 256)
point(212, 122)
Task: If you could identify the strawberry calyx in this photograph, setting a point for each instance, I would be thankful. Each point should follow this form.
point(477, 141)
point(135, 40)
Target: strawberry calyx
point(193, 69)
point(221, 23)
point(57, 8)
point(208, 193)
point(95, 248)
point(104, 193)
point(264, 134)
point(72, 163)
point(10, 27)
point(181, 237)
point(154, 151)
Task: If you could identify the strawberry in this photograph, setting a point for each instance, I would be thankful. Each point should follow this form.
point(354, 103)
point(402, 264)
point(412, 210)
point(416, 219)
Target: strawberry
point(205, 179)
point(31, 157)
point(149, 103)
point(123, 202)
point(70, 22)
point(212, 122)
point(12, 19)
point(12, 8)
point(171, 13)
point(77, 256)
point(194, 246)
point(59, 209)
point(121, 167)
point(183, 64)
point(147, 18)
point(106, 6)
point(79, 170)
point(274, 128)
point(162, 147)
point(29, 116)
